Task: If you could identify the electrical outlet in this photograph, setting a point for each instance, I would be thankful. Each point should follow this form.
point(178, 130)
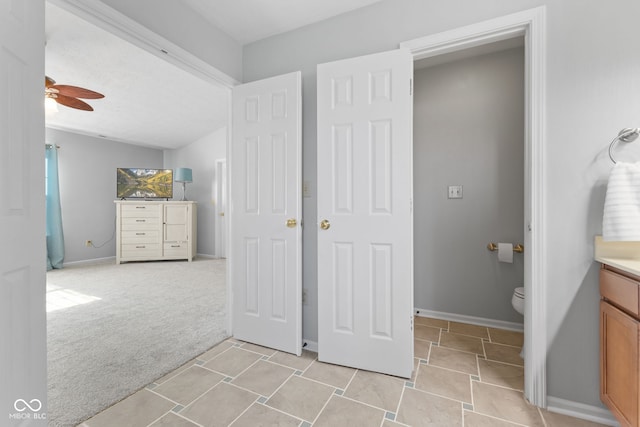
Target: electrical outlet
point(88, 243)
point(455, 191)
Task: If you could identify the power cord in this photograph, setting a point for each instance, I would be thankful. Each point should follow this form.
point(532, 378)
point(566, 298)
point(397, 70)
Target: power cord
point(112, 236)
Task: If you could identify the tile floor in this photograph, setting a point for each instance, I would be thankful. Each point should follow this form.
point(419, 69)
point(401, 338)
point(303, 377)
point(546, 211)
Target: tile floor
point(465, 375)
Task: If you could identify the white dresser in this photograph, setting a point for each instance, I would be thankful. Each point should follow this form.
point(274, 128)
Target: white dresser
point(155, 230)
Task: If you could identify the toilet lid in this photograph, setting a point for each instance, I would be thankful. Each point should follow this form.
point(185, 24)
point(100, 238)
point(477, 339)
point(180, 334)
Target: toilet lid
point(519, 292)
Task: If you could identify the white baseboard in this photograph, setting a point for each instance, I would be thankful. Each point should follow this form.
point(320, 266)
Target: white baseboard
point(206, 256)
point(480, 321)
point(310, 345)
point(591, 413)
point(104, 260)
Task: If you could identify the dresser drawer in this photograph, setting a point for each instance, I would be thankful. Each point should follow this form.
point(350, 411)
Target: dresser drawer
point(140, 223)
point(141, 250)
point(619, 290)
point(139, 236)
point(140, 211)
point(180, 250)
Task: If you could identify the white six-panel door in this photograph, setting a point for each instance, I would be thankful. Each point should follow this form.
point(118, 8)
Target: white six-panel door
point(266, 209)
point(22, 257)
point(365, 235)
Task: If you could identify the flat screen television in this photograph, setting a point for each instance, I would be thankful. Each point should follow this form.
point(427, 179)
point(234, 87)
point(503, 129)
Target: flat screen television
point(140, 183)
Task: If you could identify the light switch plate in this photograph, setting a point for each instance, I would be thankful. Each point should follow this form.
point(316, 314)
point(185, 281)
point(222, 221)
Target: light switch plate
point(455, 191)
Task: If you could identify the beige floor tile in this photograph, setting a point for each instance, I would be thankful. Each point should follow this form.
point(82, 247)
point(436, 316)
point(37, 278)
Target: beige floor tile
point(426, 333)
point(388, 423)
point(258, 349)
point(418, 409)
point(466, 329)
point(502, 374)
point(443, 382)
point(140, 409)
point(260, 415)
point(219, 406)
point(503, 353)
point(233, 361)
point(223, 346)
point(462, 343)
point(301, 398)
point(334, 375)
point(453, 359)
point(300, 363)
point(381, 391)
point(177, 371)
point(501, 336)
point(421, 348)
point(263, 377)
point(558, 420)
point(472, 419)
point(429, 321)
point(505, 404)
point(344, 412)
point(185, 387)
point(173, 420)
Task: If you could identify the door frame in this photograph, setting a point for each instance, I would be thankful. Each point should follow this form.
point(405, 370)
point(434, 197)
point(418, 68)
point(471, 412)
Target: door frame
point(118, 24)
point(530, 24)
point(221, 210)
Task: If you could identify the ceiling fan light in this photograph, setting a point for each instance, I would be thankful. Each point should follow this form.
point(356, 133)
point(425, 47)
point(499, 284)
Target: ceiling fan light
point(50, 105)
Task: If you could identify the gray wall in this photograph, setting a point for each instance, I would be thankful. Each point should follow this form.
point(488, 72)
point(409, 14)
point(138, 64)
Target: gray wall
point(87, 173)
point(201, 157)
point(592, 81)
point(469, 130)
point(185, 28)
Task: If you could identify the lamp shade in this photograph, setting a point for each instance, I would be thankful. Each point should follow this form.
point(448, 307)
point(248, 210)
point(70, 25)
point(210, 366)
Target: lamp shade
point(183, 175)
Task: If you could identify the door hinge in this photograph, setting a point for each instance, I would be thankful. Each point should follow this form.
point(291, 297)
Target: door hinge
point(411, 87)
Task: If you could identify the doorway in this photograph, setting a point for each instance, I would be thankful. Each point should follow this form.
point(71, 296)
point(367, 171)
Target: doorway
point(468, 153)
point(531, 25)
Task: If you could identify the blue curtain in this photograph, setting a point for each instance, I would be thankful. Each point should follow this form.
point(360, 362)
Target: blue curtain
point(55, 238)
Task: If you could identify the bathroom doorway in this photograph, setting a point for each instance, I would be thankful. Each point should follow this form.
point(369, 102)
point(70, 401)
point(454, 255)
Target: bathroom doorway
point(469, 144)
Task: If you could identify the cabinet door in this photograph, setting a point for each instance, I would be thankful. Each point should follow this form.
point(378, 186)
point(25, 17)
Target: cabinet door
point(176, 223)
point(619, 363)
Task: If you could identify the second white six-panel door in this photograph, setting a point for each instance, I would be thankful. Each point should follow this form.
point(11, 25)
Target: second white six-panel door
point(365, 234)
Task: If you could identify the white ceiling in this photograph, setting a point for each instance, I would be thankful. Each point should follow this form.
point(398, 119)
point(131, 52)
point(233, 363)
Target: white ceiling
point(249, 20)
point(148, 101)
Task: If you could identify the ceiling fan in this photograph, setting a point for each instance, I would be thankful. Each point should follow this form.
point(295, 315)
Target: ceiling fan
point(68, 95)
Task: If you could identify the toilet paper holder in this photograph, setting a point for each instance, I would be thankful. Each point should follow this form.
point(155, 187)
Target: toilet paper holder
point(519, 248)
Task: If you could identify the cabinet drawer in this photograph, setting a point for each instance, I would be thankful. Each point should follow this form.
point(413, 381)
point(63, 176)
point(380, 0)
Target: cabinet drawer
point(140, 223)
point(141, 250)
point(620, 290)
point(139, 236)
point(140, 211)
point(176, 249)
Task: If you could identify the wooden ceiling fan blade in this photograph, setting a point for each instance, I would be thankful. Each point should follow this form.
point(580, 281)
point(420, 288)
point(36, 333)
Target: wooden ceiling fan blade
point(48, 82)
point(73, 102)
point(78, 92)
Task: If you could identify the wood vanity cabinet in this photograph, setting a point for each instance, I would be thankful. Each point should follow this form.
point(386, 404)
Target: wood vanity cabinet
point(619, 344)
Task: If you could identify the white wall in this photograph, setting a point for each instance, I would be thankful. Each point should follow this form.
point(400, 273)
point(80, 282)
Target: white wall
point(185, 28)
point(87, 173)
point(592, 87)
point(201, 156)
point(469, 130)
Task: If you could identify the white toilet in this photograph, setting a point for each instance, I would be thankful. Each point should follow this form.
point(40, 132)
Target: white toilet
point(518, 304)
point(518, 300)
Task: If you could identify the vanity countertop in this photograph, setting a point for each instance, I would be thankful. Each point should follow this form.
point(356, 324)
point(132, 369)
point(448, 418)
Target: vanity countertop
point(622, 255)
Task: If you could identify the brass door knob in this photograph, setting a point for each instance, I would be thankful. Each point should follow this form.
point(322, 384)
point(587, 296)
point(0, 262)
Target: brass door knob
point(291, 222)
point(325, 224)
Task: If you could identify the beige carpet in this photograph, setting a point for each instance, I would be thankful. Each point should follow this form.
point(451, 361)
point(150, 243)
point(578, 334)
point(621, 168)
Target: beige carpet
point(112, 329)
